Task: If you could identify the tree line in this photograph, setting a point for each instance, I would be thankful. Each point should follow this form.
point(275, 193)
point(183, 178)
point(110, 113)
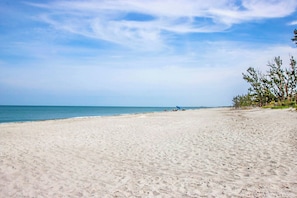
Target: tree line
point(274, 88)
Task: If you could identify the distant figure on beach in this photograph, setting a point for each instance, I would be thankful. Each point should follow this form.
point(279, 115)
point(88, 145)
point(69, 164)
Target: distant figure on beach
point(177, 108)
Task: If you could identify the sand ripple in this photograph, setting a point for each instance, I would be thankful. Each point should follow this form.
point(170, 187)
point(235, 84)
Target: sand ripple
point(209, 152)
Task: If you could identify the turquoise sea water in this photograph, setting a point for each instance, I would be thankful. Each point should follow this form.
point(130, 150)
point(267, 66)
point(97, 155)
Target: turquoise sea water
point(36, 113)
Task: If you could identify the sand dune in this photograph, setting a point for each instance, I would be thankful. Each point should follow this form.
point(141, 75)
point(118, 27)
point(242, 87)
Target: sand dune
point(208, 152)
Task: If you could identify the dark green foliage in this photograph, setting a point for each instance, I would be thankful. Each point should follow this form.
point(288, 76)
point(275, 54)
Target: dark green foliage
point(253, 77)
point(277, 79)
point(259, 91)
point(277, 87)
point(291, 80)
point(242, 101)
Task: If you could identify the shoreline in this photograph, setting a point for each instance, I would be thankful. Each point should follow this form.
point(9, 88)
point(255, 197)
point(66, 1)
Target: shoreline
point(112, 115)
point(56, 114)
point(204, 152)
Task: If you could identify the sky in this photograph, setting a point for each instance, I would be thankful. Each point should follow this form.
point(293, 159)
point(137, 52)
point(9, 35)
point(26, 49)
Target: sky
point(138, 52)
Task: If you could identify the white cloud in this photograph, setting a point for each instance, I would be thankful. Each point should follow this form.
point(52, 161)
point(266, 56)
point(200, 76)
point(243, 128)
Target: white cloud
point(107, 20)
point(189, 69)
point(293, 23)
point(212, 71)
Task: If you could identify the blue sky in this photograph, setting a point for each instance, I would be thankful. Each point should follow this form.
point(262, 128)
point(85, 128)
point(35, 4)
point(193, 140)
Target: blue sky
point(138, 52)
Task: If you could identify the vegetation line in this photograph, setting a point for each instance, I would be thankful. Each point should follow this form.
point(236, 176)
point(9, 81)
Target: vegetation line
point(276, 88)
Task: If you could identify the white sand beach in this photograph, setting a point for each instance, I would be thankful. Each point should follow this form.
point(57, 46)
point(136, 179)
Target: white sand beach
point(207, 152)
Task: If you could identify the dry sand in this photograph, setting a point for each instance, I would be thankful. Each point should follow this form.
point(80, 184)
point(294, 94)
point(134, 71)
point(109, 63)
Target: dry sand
point(208, 152)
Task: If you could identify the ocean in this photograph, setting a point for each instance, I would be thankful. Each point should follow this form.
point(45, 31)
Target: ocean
point(38, 113)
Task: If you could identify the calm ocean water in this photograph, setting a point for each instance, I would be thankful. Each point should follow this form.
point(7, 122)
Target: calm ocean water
point(37, 113)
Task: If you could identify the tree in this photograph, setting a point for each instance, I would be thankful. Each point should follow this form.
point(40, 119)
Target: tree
point(266, 86)
point(242, 101)
point(283, 81)
point(278, 84)
point(292, 80)
point(293, 72)
point(254, 77)
point(278, 79)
